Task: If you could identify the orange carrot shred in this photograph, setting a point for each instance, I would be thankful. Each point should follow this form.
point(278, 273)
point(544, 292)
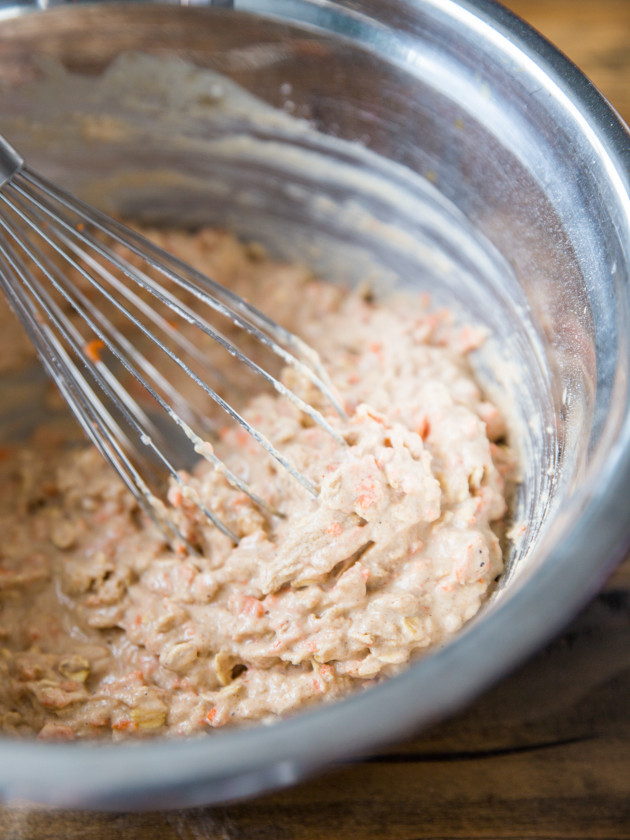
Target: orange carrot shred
point(122, 725)
point(93, 350)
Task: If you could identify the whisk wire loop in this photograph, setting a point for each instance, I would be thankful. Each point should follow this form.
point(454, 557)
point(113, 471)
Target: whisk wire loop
point(40, 224)
point(96, 421)
point(206, 290)
point(198, 442)
point(56, 279)
point(93, 415)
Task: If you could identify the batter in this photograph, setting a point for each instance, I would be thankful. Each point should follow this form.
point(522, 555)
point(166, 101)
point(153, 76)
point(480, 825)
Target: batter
point(105, 632)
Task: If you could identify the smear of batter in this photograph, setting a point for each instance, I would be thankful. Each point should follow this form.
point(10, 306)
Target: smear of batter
point(106, 632)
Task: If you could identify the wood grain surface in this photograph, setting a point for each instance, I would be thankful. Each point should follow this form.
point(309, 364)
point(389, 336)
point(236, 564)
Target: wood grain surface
point(546, 754)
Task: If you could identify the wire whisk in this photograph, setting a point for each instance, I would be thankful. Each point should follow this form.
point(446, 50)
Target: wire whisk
point(116, 321)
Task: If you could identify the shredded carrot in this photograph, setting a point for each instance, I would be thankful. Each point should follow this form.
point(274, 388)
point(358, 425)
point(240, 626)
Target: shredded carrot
point(93, 350)
point(242, 437)
point(424, 428)
point(211, 715)
point(124, 724)
point(334, 529)
point(186, 574)
point(175, 496)
point(365, 500)
point(135, 676)
point(252, 606)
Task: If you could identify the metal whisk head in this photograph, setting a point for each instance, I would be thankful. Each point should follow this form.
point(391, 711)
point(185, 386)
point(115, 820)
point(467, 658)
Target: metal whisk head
point(114, 318)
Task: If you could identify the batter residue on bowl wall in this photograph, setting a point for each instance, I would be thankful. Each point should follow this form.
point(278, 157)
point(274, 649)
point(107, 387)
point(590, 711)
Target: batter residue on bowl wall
point(106, 632)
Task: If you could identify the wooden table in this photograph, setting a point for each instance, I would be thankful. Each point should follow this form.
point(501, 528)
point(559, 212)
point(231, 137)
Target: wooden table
point(546, 754)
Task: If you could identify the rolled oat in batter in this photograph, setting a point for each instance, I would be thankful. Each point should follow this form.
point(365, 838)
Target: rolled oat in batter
point(106, 632)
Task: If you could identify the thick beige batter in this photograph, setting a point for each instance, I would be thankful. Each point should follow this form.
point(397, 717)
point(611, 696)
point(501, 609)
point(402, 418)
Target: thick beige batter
point(104, 631)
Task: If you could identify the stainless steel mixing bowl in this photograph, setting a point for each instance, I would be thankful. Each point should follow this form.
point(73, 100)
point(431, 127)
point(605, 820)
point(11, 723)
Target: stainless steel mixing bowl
point(448, 147)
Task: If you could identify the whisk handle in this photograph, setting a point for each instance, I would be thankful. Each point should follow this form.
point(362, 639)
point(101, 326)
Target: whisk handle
point(10, 161)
